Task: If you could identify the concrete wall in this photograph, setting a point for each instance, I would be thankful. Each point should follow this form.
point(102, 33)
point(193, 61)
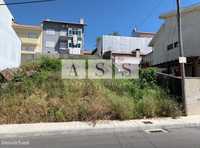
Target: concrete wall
point(121, 44)
point(10, 44)
point(192, 90)
point(168, 34)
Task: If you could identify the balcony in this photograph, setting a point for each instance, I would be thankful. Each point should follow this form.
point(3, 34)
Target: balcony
point(28, 50)
point(32, 41)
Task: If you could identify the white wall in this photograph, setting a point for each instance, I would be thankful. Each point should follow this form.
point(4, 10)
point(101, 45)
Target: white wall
point(121, 44)
point(127, 59)
point(10, 44)
point(192, 87)
point(168, 34)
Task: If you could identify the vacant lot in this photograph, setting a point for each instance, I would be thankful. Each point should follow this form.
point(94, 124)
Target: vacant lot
point(38, 94)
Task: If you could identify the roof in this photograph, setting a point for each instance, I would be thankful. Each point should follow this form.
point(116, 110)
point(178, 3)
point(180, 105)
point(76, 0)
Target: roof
point(15, 25)
point(184, 10)
point(63, 22)
point(143, 34)
point(189, 9)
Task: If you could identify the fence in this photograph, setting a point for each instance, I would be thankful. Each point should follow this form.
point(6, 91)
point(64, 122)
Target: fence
point(192, 90)
point(172, 83)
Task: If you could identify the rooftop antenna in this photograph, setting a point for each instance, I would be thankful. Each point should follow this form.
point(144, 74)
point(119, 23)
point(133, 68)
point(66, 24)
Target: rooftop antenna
point(134, 31)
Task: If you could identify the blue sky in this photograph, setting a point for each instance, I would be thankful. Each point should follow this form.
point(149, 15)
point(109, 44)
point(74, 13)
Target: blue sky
point(102, 16)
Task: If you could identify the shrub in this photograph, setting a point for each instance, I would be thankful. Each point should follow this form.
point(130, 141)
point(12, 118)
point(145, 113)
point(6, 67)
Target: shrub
point(1, 79)
point(122, 108)
point(156, 103)
point(50, 64)
point(147, 77)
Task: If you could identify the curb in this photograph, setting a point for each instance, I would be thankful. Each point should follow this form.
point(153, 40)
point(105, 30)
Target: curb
point(40, 129)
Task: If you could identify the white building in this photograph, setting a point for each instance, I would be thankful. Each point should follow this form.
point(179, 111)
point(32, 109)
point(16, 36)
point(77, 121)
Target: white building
point(123, 49)
point(10, 44)
point(165, 42)
point(123, 44)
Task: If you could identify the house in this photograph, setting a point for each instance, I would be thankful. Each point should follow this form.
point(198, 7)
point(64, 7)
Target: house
point(63, 37)
point(166, 46)
point(10, 44)
point(123, 48)
point(31, 38)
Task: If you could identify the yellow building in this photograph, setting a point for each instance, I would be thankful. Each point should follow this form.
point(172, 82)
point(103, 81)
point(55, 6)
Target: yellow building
point(31, 38)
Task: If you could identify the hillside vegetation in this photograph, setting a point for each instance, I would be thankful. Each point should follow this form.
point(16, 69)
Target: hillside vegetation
point(38, 94)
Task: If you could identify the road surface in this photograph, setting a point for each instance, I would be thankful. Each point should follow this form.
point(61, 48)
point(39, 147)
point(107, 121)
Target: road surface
point(175, 138)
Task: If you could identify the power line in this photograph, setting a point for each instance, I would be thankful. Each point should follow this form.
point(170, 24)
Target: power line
point(27, 2)
point(150, 14)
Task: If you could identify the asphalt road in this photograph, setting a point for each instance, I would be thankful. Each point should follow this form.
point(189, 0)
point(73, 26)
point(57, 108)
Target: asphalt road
point(175, 138)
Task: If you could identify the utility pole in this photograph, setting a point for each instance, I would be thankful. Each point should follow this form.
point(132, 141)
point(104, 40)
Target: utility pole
point(182, 59)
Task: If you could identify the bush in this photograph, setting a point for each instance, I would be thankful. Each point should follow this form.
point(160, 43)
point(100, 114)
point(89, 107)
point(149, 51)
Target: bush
point(50, 64)
point(1, 79)
point(122, 108)
point(147, 77)
point(156, 103)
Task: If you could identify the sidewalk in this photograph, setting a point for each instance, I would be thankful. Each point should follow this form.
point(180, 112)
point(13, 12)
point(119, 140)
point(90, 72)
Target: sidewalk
point(101, 126)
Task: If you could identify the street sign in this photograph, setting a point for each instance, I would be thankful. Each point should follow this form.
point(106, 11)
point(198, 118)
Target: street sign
point(182, 60)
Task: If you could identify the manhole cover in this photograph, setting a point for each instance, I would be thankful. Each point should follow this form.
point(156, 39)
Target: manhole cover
point(154, 131)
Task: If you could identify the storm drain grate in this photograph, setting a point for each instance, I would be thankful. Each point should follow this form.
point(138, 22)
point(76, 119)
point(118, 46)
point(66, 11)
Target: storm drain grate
point(147, 122)
point(156, 131)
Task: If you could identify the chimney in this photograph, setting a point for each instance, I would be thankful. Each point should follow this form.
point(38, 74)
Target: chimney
point(82, 21)
point(137, 53)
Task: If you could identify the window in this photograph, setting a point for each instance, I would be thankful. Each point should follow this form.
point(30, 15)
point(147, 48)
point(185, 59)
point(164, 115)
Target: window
point(170, 46)
point(74, 31)
point(70, 31)
point(63, 33)
point(50, 32)
point(79, 45)
point(79, 32)
point(176, 44)
point(70, 45)
point(32, 35)
point(50, 44)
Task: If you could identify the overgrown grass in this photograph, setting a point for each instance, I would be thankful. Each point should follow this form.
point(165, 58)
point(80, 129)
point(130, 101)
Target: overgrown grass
point(45, 97)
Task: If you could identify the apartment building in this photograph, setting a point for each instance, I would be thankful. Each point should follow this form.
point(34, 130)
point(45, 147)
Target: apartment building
point(31, 39)
point(63, 37)
point(165, 43)
point(10, 45)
